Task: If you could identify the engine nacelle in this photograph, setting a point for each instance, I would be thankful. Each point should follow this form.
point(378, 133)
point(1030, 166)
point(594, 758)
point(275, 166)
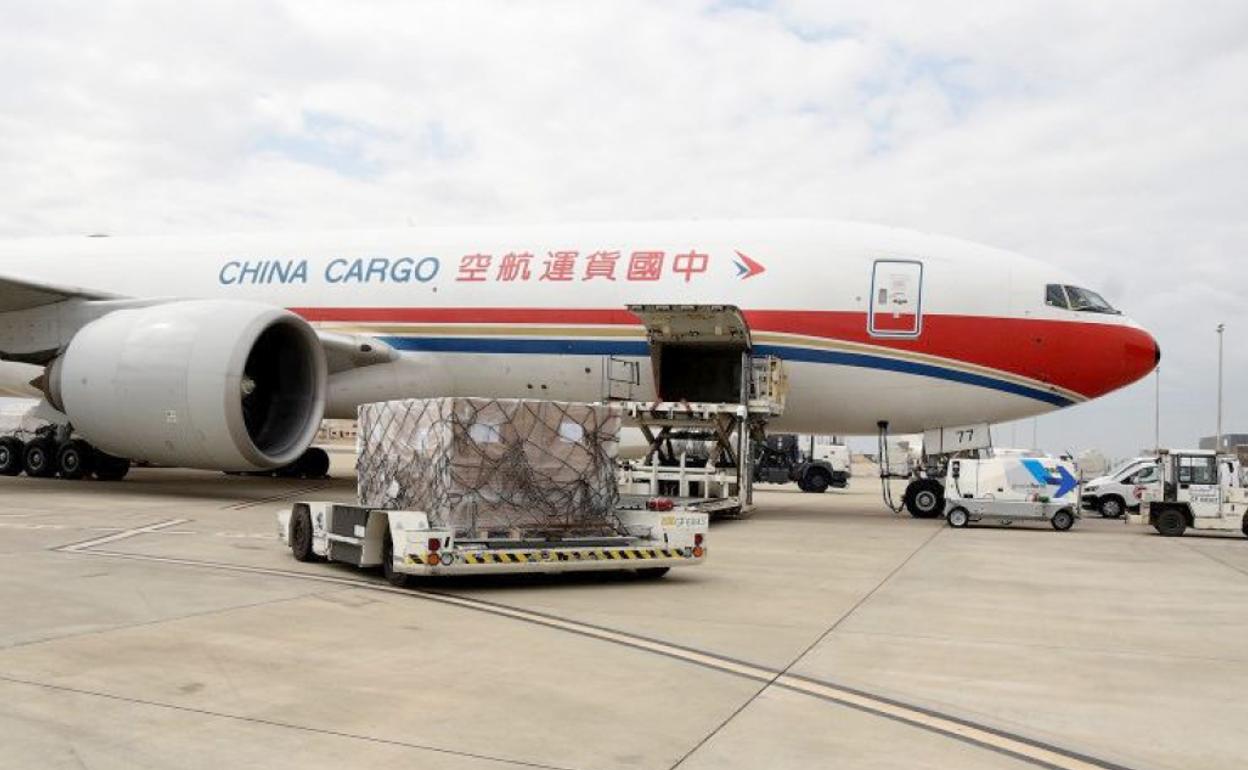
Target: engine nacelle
point(217, 384)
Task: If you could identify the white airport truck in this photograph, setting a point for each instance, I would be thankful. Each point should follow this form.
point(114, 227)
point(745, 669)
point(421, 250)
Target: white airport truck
point(657, 535)
point(1199, 490)
point(1011, 489)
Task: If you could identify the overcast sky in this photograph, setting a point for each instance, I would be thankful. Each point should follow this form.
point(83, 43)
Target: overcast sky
point(1108, 138)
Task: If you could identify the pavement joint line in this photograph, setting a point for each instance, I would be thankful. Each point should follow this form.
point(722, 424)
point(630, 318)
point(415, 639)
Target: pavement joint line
point(287, 495)
point(1191, 547)
point(783, 672)
point(1017, 746)
point(124, 534)
point(280, 724)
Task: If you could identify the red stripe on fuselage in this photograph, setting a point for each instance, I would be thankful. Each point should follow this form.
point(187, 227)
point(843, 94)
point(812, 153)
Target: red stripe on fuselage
point(1085, 357)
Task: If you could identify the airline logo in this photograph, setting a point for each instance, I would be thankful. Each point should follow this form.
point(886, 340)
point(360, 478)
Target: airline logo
point(562, 266)
point(746, 267)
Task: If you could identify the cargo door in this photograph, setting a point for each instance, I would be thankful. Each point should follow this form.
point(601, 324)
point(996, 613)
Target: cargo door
point(896, 298)
point(696, 351)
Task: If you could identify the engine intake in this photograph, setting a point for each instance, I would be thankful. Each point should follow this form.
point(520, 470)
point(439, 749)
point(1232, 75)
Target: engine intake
point(217, 384)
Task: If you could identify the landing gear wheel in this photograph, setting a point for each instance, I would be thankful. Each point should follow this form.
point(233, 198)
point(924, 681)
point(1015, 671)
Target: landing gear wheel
point(40, 458)
point(315, 463)
point(12, 454)
point(817, 482)
point(109, 468)
point(76, 460)
point(1170, 523)
point(1112, 507)
point(393, 576)
point(925, 498)
point(301, 534)
point(653, 573)
point(1063, 520)
point(958, 518)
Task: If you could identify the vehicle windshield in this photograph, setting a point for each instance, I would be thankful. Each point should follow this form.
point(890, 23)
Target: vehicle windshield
point(1124, 466)
point(1077, 299)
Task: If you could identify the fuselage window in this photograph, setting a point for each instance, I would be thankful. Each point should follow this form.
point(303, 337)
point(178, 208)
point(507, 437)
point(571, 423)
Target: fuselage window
point(1055, 296)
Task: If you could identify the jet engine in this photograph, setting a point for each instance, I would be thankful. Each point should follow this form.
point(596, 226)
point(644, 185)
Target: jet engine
point(217, 384)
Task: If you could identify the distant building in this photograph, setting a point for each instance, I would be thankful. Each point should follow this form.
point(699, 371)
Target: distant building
point(1229, 441)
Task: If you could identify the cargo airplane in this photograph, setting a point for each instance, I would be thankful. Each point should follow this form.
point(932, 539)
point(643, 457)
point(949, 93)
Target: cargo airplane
point(225, 352)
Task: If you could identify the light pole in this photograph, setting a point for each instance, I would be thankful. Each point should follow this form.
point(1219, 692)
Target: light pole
point(1217, 439)
point(1157, 410)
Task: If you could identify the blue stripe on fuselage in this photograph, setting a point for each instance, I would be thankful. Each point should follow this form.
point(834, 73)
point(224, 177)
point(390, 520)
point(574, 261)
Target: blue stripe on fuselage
point(596, 347)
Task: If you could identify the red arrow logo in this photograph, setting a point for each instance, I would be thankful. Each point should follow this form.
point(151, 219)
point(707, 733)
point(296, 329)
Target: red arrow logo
point(746, 267)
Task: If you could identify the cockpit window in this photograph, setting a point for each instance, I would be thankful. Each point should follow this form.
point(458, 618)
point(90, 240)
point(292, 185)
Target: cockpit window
point(1055, 295)
point(1075, 298)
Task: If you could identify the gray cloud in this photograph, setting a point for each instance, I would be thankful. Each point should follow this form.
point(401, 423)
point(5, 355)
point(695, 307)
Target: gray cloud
point(1108, 138)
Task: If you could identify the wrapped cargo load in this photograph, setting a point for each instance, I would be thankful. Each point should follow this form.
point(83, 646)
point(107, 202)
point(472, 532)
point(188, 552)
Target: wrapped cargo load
point(482, 466)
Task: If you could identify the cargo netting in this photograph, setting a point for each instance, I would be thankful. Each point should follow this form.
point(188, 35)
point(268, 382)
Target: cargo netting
point(493, 467)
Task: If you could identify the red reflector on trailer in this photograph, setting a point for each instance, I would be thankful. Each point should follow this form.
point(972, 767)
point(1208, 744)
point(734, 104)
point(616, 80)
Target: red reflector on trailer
point(434, 544)
point(697, 539)
point(660, 504)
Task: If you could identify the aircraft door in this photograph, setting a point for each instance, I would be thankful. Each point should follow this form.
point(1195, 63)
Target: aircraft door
point(896, 308)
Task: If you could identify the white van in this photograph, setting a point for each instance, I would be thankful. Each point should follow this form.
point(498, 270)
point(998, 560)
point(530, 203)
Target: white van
point(1114, 493)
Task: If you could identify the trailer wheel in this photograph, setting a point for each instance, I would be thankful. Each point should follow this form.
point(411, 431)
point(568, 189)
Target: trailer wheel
point(1245, 525)
point(924, 498)
point(1170, 523)
point(76, 460)
point(40, 458)
point(817, 481)
point(301, 534)
point(1063, 520)
point(1111, 506)
point(653, 573)
point(958, 517)
point(393, 576)
point(12, 452)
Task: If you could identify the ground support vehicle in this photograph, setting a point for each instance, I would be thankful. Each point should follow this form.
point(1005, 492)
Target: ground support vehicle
point(779, 461)
point(1005, 490)
point(1119, 491)
point(1199, 490)
point(656, 536)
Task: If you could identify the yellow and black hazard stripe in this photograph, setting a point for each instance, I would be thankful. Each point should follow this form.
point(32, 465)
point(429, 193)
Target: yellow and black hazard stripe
point(594, 554)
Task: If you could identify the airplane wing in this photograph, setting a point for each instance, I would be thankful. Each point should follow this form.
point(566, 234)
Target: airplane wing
point(25, 295)
point(342, 351)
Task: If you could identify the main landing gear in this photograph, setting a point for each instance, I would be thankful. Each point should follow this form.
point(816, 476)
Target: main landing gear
point(44, 456)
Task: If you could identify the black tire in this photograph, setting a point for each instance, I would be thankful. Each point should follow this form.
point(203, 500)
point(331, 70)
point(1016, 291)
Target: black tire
point(925, 498)
point(801, 484)
point(109, 468)
point(315, 463)
point(76, 460)
point(301, 534)
point(1063, 520)
point(1170, 522)
point(958, 518)
point(393, 576)
point(1245, 525)
point(817, 481)
point(12, 456)
point(1111, 507)
point(653, 573)
point(39, 460)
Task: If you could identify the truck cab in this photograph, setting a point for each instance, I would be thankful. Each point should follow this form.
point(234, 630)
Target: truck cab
point(1198, 489)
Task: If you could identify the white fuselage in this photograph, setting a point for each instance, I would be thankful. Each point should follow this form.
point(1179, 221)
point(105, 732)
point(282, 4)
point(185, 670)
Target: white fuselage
point(874, 323)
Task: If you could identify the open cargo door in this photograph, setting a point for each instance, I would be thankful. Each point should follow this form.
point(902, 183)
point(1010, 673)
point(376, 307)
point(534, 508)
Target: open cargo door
point(697, 351)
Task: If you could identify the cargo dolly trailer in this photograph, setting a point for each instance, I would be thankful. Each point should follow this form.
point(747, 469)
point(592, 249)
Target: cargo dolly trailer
point(404, 544)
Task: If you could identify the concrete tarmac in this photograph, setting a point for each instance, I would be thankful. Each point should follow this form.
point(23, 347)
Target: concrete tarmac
point(158, 622)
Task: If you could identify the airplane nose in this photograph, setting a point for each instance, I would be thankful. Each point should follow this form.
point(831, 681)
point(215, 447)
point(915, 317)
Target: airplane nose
point(1140, 354)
